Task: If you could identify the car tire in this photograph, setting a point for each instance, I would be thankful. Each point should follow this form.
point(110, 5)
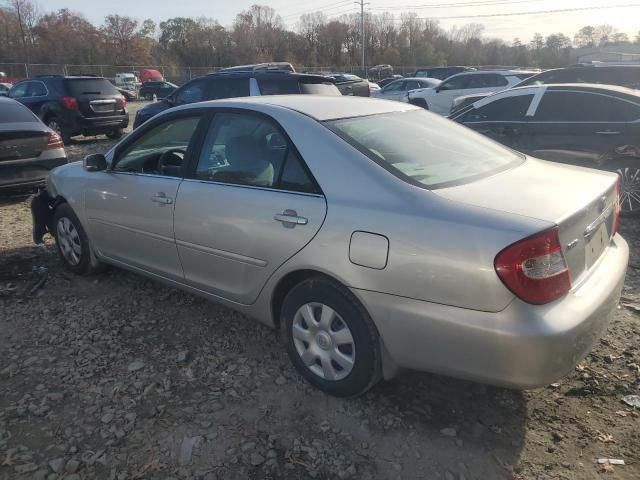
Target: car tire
point(72, 242)
point(55, 124)
point(115, 133)
point(325, 324)
point(628, 170)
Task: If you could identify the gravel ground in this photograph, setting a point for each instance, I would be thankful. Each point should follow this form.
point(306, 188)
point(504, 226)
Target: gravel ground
point(117, 377)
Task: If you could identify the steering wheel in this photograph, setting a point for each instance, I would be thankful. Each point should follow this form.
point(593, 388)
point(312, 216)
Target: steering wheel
point(170, 158)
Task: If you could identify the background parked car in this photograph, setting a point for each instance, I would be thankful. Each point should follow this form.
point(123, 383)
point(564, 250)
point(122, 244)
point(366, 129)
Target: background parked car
point(441, 98)
point(74, 105)
point(352, 85)
point(161, 89)
point(622, 75)
point(380, 71)
point(129, 95)
point(594, 126)
point(4, 89)
point(441, 73)
point(150, 75)
point(398, 89)
point(28, 148)
point(241, 83)
point(388, 80)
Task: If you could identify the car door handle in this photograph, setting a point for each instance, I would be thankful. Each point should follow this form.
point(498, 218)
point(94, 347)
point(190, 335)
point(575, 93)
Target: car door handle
point(290, 217)
point(607, 132)
point(162, 199)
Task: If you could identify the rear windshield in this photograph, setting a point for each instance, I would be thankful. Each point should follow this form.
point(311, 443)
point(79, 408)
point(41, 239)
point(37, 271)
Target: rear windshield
point(424, 149)
point(89, 86)
point(11, 112)
point(280, 86)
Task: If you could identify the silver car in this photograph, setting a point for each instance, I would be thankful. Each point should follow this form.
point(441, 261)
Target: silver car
point(376, 235)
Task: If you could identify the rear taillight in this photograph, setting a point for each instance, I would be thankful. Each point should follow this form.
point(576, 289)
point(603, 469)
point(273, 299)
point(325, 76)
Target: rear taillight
point(534, 268)
point(616, 212)
point(55, 141)
point(70, 103)
point(124, 102)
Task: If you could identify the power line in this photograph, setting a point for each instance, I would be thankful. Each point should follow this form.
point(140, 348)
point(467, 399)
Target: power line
point(537, 12)
point(320, 8)
point(482, 3)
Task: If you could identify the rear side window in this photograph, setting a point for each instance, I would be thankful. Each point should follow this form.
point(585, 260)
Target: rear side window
point(585, 107)
point(78, 87)
point(487, 81)
point(504, 109)
point(229, 88)
point(423, 149)
point(14, 112)
point(277, 86)
point(192, 92)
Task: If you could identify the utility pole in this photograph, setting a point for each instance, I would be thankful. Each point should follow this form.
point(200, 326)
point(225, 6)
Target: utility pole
point(362, 37)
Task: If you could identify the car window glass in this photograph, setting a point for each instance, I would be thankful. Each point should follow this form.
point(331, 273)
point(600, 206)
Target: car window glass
point(78, 87)
point(425, 149)
point(161, 150)
point(411, 85)
point(583, 107)
point(456, 83)
point(11, 112)
point(36, 89)
point(281, 86)
point(229, 88)
point(250, 150)
point(19, 91)
point(504, 109)
point(396, 86)
point(192, 92)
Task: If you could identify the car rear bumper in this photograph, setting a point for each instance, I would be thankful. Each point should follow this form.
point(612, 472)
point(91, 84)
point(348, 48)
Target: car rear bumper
point(78, 124)
point(523, 346)
point(28, 173)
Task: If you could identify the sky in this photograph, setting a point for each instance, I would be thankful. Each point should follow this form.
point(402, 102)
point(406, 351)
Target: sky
point(506, 27)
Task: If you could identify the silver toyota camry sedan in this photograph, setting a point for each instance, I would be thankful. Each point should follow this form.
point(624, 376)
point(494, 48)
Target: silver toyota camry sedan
point(375, 235)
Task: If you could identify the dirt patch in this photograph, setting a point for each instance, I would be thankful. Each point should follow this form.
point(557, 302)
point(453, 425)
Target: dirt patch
point(118, 377)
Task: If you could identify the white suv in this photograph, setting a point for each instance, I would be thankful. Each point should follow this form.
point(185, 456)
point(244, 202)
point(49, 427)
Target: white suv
point(440, 99)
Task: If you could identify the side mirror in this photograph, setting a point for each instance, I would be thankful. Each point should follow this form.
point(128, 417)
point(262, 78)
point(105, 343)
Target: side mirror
point(96, 162)
point(439, 88)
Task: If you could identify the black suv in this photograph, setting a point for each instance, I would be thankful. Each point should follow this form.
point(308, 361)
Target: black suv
point(240, 83)
point(74, 105)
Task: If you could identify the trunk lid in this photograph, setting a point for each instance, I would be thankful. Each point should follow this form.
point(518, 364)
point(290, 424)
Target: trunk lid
point(96, 97)
point(21, 141)
point(580, 201)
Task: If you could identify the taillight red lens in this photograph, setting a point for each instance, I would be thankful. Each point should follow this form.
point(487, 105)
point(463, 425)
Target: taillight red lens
point(534, 269)
point(70, 103)
point(55, 141)
point(616, 213)
point(124, 102)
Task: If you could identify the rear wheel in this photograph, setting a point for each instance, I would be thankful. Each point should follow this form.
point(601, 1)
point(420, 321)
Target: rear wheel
point(629, 172)
point(330, 337)
point(56, 125)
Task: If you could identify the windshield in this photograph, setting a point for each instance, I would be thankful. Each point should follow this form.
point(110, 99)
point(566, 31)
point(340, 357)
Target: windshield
point(424, 149)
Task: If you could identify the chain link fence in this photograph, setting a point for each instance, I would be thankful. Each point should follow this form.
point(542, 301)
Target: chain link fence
point(18, 71)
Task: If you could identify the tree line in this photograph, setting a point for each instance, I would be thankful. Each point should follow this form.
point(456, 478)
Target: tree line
point(29, 35)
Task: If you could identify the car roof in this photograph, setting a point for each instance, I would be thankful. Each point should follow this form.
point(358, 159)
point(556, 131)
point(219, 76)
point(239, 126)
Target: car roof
point(318, 107)
point(265, 73)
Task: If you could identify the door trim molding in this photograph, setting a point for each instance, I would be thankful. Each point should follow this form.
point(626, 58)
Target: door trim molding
point(256, 262)
point(133, 230)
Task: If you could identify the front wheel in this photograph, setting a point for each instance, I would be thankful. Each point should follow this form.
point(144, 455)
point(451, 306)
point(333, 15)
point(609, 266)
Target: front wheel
point(629, 173)
point(71, 241)
point(115, 133)
point(330, 338)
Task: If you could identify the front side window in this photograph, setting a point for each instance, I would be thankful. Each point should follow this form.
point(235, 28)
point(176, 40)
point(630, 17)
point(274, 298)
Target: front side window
point(192, 92)
point(245, 149)
point(423, 149)
point(161, 150)
point(36, 89)
point(504, 109)
point(397, 86)
point(456, 83)
point(19, 90)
